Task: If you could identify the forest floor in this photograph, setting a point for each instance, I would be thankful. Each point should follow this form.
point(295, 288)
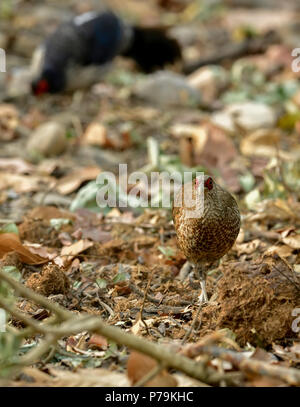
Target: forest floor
point(124, 264)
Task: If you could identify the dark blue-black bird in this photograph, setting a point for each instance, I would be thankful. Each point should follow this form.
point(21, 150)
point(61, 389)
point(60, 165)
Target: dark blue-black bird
point(95, 39)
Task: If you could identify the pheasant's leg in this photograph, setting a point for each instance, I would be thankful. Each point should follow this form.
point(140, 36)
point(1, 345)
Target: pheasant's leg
point(185, 270)
point(200, 270)
point(203, 296)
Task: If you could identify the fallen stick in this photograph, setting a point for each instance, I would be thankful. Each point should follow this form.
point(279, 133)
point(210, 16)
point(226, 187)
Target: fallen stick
point(288, 375)
point(72, 325)
point(233, 51)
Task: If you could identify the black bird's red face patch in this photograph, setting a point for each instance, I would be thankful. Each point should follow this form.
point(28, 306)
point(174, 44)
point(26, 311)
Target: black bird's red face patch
point(209, 183)
point(41, 87)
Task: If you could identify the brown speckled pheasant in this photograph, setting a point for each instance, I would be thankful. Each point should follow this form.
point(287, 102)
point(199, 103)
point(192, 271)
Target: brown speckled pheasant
point(208, 237)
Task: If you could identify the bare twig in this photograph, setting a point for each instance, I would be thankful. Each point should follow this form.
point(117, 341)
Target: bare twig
point(72, 325)
point(149, 376)
point(26, 292)
point(234, 51)
point(144, 300)
point(188, 333)
point(288, 375)
point(150, 298)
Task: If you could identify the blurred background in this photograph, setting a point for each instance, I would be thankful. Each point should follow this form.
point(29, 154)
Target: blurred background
point(230, 107)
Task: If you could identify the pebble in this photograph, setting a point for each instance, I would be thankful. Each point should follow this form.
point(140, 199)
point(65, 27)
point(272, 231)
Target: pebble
point(49, 139)
point(166, 89)
point(248, 115)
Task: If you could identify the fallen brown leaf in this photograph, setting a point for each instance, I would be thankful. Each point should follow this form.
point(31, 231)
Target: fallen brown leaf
point(74, 249)
point(139, 365)
point(16, 165)
point(98, 341)
point(72, 182)
point(10, 242)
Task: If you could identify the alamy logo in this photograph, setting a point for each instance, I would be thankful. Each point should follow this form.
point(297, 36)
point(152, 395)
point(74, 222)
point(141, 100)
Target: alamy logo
point(2, 60)
point(296, 61)
point(296, 322)
point(144, 190)
point(2, 320)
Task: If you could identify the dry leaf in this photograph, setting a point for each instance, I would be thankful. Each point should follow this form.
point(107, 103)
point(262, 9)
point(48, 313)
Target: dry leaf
point(207, 141)
point(81, 378)
point(73, 181)
point(22, 183)
point(48, 213)
point(139, 365)
point(292, 241)
point(263, 142)
point(247, 248)
point(16, 165)
point(282, 251)
point(96, 134)
point(98, 341)
point(9, 120)
point(10, 242)
point(74, 249)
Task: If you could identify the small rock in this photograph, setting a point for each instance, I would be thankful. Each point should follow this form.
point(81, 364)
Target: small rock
point(18, 83)
point(210, 81)
point(49, 139)
point(248, 115)
point(166, 88)
point(95, 134)
point(187, 35)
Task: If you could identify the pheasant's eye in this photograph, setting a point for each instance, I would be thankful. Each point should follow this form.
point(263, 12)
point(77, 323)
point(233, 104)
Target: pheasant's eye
point(209, 183)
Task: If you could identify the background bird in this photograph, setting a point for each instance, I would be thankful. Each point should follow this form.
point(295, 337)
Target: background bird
point(95, 39)
point(206, 238)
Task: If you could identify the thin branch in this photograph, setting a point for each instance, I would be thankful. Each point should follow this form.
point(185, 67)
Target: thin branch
point(188, 333)
point(150, 375)
point(289, 375)
point(26, 292)
point(21, 316)
point(73, 325)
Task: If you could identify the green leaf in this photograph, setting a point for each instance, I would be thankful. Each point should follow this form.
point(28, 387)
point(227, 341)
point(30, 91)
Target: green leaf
point(6, 291)
point(86, 197)
point(10, 228)
point(288, 121)
point(77, 284)
point(252, 198)
point(123, 276)
point(101, 282)
point(57, 223)
point(12, 271)
point(166, 251)
point(9, 348)
point(247, 181)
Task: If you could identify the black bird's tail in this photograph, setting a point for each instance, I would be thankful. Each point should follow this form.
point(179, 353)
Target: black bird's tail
point(152, 48)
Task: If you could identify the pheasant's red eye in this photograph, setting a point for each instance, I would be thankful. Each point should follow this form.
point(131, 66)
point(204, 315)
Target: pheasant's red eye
point(209, 183)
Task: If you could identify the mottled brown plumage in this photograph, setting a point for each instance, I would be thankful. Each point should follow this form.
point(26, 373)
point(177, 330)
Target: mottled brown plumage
point(207, 238)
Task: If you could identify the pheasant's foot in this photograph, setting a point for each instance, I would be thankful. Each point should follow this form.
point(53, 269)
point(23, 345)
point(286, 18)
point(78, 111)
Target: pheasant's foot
point(203, 298)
